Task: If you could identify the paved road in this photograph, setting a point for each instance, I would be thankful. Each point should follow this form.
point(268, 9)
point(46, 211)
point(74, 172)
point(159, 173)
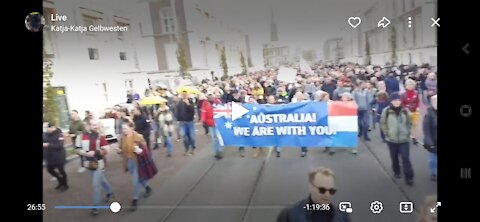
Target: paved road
point(199, 188)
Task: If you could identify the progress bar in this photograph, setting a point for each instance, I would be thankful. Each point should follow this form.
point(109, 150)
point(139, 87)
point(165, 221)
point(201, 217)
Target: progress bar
point(82, 207)
point(114, 207)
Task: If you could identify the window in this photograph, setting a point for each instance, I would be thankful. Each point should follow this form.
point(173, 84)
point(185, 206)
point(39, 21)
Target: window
point(93, 53)
point(123, 55)
point(90, 20)
point(167, 20)
point(120, 34)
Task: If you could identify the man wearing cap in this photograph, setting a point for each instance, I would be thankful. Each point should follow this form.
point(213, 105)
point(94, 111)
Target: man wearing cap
point(185, 115)
point(396, 125)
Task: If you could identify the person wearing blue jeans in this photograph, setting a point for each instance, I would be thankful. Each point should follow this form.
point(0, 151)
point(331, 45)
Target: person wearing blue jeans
point(94, 148)
point(185, 113)
point(136, 181)
point(188, 133)
point(363, 124)
point(99, 181)
point(217, 149)
point(432, 163)
point(430, 124)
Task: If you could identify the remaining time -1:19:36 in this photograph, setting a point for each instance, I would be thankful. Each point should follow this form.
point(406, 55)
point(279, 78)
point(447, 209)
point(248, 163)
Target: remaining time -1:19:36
point(36, 206)
point(317, 207)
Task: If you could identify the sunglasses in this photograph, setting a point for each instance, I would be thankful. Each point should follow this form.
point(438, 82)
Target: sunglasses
point(322, 190)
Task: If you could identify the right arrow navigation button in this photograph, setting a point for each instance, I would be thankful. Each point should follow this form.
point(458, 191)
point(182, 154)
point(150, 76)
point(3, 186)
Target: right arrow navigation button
point(465, 48)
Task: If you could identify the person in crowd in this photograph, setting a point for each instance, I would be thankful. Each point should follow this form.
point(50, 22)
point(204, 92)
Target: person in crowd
point(329, 86)
point(282, 95)
point(430, 124)
point(88, 117)
point(392, 83)
point(371, 92)
point(426, 215)
point(348, 97)
point(322, 187)
point(258, 93)
point(121, 117)
point(207, 119)
point(227, 94)
point(77, 127)
point(166, 126)
point(142, 125)
point(363, 101)
point(271, 101)
point(396, 125)
point(270, 89)
point(310, 88)
point(322, 96)
point(422, 78)
point(173, 104)
point(431, 85)
point(299, 97)
point(381, 102)
point(132, 147)
point(198, 104)
point(55, 155)
point(94, 148)
point(237, 97)
point(342, 88)
point(185, 116)
point(411, 101)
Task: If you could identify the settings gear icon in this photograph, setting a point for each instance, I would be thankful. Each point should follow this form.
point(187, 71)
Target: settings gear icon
point(376, 207)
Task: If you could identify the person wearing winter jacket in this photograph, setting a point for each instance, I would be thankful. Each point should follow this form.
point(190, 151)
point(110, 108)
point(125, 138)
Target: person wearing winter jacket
point(396, 124)
point(430, 124)
point(166, 126)
point(55, 155)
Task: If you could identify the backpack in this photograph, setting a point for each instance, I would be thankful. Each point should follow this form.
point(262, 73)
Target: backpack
point(404, 111)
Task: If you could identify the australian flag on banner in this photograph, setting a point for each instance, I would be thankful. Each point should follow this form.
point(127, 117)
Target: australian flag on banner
point(304, 124)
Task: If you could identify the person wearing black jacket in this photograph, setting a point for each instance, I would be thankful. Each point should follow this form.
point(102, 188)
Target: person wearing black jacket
point(55, 155)
point(322, 188)
point(185, 115)
point(430, 124)
point(142, 126)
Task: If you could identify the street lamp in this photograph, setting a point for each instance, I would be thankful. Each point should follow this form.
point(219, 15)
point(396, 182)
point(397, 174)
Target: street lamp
point(204, 43)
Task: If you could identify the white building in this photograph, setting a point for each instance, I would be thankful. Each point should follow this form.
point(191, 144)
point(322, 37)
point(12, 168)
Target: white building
point(94, 70)
point(88, 66)
point(410, 34)
point(333, 50)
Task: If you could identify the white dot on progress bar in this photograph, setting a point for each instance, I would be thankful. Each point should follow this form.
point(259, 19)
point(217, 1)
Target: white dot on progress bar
point(115, 207)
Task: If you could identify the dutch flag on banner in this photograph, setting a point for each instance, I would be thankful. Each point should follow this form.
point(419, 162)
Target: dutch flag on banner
point(343, 119)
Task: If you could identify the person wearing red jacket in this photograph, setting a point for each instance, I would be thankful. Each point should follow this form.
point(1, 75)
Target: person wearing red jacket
point(207, 119)
point(411, 101)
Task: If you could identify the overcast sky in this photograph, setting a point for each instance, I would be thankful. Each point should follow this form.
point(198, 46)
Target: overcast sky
point(302, 24)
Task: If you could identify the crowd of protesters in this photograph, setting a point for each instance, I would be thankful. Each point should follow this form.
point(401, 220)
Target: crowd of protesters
point(389, 99)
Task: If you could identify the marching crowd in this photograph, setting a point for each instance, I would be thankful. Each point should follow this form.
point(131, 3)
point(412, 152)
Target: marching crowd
point(383, 104)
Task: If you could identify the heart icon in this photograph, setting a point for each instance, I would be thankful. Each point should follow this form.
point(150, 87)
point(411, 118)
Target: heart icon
point(354, 21)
